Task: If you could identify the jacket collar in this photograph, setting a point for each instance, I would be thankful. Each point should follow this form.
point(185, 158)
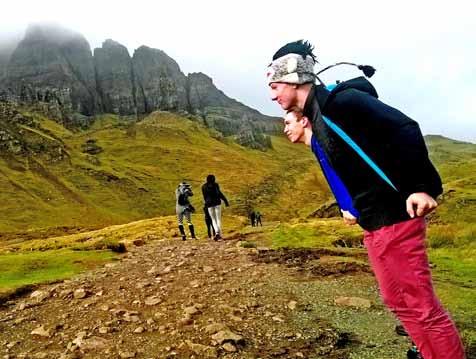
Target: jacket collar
point(316, 101)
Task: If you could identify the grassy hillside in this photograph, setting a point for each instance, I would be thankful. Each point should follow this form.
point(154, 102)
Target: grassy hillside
point(119, 171)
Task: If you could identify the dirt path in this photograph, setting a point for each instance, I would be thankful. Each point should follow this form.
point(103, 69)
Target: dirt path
point(205, 299)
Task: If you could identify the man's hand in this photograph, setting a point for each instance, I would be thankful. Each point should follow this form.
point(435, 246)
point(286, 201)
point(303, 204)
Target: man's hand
point(349, 219)
point(420, 204)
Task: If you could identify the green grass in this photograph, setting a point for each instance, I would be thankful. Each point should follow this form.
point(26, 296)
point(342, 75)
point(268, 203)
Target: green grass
point(20, 269)
point(455, 281)
point(313, 234)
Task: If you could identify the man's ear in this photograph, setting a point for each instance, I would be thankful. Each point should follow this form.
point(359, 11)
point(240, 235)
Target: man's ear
point(305, 121)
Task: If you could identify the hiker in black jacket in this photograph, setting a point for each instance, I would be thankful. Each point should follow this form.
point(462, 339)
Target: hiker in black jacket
point(375, 160)
point(213, 197)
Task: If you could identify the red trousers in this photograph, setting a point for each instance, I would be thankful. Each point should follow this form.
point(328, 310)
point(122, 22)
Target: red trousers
point(398, 257)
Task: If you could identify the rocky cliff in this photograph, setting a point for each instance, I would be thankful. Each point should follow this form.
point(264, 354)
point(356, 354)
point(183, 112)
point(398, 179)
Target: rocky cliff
point(160, 79)
point(115, 80)
point(222, 112)
point(56, 66)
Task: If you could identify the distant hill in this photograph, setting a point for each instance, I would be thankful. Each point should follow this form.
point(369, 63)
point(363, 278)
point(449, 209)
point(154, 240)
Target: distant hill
point(56, 66)
point(119, 170)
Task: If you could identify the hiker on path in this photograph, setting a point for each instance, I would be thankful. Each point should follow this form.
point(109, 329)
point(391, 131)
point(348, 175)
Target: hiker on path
point(258, 219)
point(209, 223)
point(213, 197)
point(252, 218)
point(375, 160)
point(184, 208)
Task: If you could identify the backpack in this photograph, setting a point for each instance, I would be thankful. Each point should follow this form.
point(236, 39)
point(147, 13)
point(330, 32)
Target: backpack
point(182, 199)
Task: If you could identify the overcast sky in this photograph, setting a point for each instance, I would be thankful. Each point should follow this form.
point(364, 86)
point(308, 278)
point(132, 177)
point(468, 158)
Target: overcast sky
point(424, 51)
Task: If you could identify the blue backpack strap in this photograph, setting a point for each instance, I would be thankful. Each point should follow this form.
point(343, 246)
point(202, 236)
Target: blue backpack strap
point(357, 149)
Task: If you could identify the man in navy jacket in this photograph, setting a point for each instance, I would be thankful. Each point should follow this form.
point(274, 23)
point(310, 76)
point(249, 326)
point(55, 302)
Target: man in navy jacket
point(382, 179)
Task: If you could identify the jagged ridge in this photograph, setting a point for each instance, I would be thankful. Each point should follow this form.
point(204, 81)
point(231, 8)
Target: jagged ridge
point(56, 66)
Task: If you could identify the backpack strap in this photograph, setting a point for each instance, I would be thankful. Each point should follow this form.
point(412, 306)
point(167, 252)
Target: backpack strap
point(340, 132)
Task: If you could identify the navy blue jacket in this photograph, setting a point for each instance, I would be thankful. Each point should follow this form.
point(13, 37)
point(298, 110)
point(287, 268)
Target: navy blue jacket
point(393, 141)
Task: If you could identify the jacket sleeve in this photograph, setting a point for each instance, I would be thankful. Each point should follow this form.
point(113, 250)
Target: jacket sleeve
point(400, 134)
point(222, 196)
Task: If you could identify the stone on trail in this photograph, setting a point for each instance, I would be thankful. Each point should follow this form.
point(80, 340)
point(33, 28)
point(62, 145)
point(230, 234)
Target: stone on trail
point(191, 310)
point(138, 242)
point(292, 304)
point(224, 336)
point(208, 269)
point(139, 330)
point(230, 348)
point(203, 351)
point(152, 300)
point(215, 328)
point(94, 343)
point(126, 355)
point(41, 332)
point(39, 295)
point(80, 293)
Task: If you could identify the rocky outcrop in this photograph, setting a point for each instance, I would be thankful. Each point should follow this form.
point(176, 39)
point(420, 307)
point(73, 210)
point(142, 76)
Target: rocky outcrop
point(115, 80)
point(327, 210)
point(226, 114)
point(23, 135)
point(160, 79)
point(54, 65)
point(203, 93)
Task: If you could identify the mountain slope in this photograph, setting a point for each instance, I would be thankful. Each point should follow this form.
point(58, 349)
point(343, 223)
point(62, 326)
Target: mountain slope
point(118, 170)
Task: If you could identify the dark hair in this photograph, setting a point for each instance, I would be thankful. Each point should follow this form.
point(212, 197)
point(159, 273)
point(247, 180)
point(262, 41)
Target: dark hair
point(210, 179)
point(300, 47)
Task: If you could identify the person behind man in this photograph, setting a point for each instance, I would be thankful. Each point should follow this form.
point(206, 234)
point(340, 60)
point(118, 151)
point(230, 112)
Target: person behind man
point(213, 197)
point(252, 218)
point(209, 223)
point(184, 208)
point(376, 163)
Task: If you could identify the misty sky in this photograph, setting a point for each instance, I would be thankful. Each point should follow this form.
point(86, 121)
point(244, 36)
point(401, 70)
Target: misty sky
point(424, 51)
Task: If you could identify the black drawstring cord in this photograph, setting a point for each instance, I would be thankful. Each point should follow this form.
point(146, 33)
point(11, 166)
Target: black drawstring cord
point(368, 70)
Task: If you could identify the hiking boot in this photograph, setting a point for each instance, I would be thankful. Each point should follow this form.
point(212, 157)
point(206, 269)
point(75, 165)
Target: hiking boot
point(182, 232)
point(217, 237)
point(413, 353)
point(192, 231)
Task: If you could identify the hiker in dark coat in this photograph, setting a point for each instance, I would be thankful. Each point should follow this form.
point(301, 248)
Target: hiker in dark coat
point(209, 223)
point(375, 160)
point(213, 197)
point(252, 218)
